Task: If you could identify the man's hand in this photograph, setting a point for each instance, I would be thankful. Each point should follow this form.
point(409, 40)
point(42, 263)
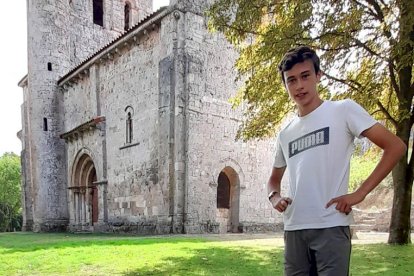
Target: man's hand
point(280, 203)
point(344, 203)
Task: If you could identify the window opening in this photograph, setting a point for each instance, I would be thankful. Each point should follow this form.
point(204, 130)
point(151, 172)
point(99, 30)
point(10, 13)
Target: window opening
point(45, 124)
point(127, 11)
point(98, 12)
point(129, 128)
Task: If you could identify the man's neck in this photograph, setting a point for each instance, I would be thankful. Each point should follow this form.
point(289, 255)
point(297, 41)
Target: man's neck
point(305, 110)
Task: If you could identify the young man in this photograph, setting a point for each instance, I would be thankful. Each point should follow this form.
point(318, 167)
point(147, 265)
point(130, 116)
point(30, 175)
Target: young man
point(316, 147)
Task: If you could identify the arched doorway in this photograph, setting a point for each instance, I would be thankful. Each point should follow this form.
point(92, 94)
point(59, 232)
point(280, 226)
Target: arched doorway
point(228, 200)
point(85, 200)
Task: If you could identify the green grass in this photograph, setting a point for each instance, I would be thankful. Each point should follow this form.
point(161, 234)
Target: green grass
point(382, 259)
point(67, 254)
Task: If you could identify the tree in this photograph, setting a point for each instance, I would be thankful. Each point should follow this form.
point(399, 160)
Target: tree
point(366, 49)
point(10, 195)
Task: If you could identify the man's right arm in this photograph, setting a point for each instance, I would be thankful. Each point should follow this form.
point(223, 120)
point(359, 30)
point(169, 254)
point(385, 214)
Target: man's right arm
point(273, 188)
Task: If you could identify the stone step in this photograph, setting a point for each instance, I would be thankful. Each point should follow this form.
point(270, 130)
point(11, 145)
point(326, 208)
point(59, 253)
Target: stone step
point(366, 221)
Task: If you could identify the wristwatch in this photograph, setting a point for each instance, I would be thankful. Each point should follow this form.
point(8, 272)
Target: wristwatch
point(272, 193)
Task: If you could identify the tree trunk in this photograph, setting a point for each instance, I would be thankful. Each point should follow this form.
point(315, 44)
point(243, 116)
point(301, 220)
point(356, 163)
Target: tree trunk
point(400, 227)
point(402, 174)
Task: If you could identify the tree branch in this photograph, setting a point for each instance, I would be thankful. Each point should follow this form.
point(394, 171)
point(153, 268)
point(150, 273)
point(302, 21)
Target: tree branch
point(240, 30)
point(387, 114)
point(371, 12)
point(351, 83)
point(377, 8)
point(379, 15)
point(393, 79)
point(366, 48)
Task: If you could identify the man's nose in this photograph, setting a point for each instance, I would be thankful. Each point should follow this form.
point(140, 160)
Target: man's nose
point(299, 84)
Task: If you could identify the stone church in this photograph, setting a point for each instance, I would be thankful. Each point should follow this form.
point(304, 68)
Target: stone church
point(127, 127)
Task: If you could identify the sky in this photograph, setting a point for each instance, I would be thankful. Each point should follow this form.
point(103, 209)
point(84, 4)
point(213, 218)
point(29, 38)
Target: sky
point(13, 67)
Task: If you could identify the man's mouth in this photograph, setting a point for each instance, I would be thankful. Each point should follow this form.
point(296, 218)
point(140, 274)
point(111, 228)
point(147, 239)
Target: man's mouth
point(300, 95)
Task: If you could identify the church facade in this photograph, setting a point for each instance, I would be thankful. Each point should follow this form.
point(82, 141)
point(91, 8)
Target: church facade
point(127, 125)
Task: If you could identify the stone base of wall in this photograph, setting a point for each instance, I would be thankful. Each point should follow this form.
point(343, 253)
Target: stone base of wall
point(140, 228)
point(206, 227)
point(209, 227)
point(251, 227)
point(27, 226)
point(51, 226)
point(153, 228)
point(77, 228)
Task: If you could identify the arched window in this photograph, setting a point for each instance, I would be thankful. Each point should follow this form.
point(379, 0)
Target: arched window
point(129, 128)
point(98, 12)
point(127, 15)
point(129, 125)
point(223, 191)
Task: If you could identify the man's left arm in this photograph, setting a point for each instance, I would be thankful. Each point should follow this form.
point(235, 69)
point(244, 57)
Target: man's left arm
point(393, 149)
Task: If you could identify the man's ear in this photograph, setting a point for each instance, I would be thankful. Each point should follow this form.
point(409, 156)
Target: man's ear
point(319, 75)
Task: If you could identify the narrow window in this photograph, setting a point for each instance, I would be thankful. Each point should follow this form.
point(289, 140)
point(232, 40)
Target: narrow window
point(127, 11)
point(49, 66)
point(44, 124)
point(98, 12)
point(223, 191)
point(129, 128)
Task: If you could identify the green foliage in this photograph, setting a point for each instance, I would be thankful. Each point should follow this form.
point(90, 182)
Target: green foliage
point(366, 50)
point(10, 195)
point(361, 168)
point(68, 254)
point(367, 54)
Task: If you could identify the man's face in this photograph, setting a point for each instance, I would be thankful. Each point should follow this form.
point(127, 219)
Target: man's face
point(301, 82)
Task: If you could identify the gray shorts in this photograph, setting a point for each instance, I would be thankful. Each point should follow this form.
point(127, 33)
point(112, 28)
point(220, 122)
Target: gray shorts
point(323, 252)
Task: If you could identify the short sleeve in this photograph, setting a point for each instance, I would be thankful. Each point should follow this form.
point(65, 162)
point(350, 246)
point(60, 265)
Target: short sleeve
point(280, 161)
point(357, 118)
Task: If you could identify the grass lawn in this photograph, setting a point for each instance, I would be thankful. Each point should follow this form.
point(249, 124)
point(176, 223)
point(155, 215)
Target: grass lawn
point(91, 254)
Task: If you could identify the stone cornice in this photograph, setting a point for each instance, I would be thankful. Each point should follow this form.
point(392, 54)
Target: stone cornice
point(94, 184)
point(79, 130)
point(23, 82)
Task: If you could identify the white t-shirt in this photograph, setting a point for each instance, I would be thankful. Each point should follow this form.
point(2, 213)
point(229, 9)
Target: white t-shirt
point(317, 149)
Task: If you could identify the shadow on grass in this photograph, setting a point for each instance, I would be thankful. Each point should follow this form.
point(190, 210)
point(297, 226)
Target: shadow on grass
point(366, 260)
point(382, 259)
point(30, 242)
point(218, 261)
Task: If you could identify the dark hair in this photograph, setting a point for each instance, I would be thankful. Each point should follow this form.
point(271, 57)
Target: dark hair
point(298, 55)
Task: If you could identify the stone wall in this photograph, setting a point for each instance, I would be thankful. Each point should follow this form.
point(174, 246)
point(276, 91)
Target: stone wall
point(211, 127)
point(175, 79)
point(60, 35)
point(134, 192)
point(85, 37)
point(26, 182)
point(137, 191)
